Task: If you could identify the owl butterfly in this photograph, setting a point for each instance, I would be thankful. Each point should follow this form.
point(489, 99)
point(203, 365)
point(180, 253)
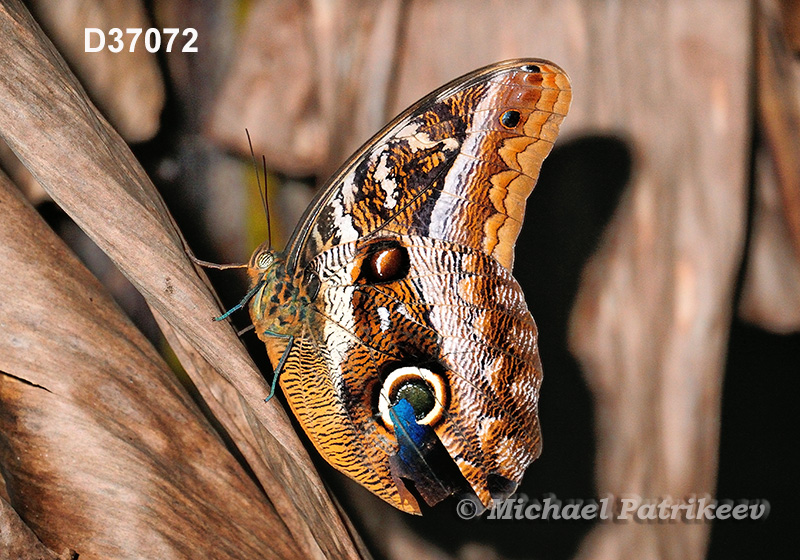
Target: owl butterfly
point(402, 343)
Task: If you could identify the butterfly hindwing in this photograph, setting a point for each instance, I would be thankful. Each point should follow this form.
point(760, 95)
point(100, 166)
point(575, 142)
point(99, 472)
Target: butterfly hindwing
point(398, 282)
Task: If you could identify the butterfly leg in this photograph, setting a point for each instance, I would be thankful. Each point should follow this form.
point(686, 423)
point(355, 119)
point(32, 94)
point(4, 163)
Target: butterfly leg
point(276, 372)
point(241, 304)
point(217, 266)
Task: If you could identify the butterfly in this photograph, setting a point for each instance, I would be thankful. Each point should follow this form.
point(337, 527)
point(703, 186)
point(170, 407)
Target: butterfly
point(402, 342)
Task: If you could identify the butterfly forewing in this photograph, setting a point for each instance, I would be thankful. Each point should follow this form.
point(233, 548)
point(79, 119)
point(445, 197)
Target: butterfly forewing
point(447, 168)
point(439, 195)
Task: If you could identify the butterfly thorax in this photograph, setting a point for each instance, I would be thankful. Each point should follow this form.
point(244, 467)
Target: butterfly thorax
point(280, 304)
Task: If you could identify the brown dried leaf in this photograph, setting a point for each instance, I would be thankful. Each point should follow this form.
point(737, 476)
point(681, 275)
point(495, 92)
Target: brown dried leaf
point(127, 86)
point(779, 109)
point(650, 322)
point(18, 541)
point(88, 170)
point(770, 295)
point(309, 81)
point(20, 176)
point(260, 82)
point(790, 10)
point(97, 432)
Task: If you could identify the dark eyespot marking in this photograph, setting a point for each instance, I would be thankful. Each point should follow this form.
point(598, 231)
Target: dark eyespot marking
point(510, 119)
point(385, 262)
point(312, 283)
point(418, 394)
point(423, 388)
point(388, 264)
point(531, 68)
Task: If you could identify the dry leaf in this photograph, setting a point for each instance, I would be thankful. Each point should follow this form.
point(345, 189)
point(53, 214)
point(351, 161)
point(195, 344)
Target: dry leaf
point(89, 171)
point(276, 97)
point(127, 86)
point(103, 451)
point(18, 541)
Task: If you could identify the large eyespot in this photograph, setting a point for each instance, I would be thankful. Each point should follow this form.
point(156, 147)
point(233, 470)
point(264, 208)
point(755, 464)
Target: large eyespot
point(312, 284)
point(531, 68)
point(385, 262)
point(510, 119)
point(424, 390)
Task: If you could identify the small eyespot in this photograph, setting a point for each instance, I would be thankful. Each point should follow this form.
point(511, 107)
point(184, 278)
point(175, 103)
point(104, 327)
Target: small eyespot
point(531, 68)
point(424, 390)
point(312, 284)
point(510, 119)
point(385, 263)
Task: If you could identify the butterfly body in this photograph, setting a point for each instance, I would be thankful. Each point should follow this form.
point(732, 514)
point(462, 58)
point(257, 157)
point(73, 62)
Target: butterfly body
point(395, 298)
point(282, 304)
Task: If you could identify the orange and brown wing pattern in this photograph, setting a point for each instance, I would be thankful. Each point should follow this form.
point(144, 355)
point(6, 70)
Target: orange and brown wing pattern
point(457, 166)
point(404, 331)
point(457, 312)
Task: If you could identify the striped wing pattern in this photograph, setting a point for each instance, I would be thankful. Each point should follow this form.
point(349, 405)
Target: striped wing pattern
point(448, 180)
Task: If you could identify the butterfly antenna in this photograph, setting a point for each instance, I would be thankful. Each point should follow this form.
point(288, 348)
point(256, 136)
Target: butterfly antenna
point(266, 204)
point(242, 303)
point(261, 192)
